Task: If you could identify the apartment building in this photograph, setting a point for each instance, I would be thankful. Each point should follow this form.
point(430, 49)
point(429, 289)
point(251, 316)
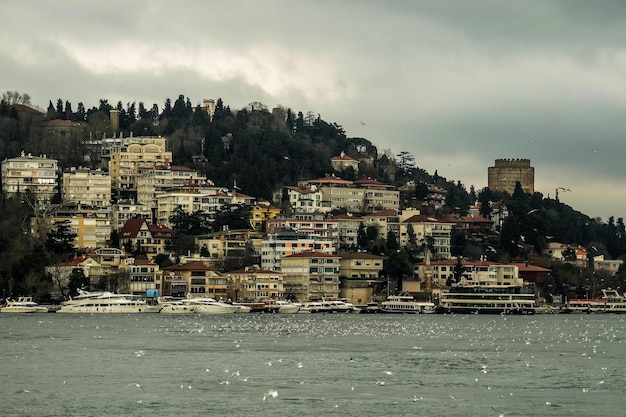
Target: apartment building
point(255, 284)
point(28, 173)
point(289, 242)
point(311, 275)
point(86, 187)
point(163, 178)
point(129, 157)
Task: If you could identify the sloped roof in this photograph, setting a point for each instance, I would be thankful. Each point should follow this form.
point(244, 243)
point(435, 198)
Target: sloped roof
point(131, 228)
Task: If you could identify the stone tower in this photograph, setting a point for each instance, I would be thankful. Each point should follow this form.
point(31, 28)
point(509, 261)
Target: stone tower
point(507, 172)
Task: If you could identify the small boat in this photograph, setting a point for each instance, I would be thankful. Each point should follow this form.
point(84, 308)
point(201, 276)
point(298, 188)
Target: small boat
point(406, 304)
point(23, 305)
point(369, 308)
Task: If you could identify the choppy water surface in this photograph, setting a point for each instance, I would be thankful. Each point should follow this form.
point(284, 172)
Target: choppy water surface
point(311, 365)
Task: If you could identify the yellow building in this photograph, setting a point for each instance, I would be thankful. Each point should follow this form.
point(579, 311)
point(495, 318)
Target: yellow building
point(260, 213)
point(254, 284)
point(129, 157)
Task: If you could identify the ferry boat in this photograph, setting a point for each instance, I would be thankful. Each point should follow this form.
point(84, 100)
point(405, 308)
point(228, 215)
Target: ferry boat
point(406, 304)
point(488, 299)
point(610, 302)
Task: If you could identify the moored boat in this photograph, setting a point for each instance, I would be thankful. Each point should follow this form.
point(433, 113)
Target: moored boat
point(488, 299)
point(23, 305)
point(406, 304)
point(106, 302)
point(207, 305)
point(611, 301)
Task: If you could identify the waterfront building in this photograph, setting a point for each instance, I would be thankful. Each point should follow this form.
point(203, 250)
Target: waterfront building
point(311, 275)
point(254, 284)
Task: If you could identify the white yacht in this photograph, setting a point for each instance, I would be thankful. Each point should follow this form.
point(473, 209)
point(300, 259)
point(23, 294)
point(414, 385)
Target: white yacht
point(175, 307)
point(106, 302)
point(23, 305)
point(406, 304)
point(281, 306)
point(206, 305)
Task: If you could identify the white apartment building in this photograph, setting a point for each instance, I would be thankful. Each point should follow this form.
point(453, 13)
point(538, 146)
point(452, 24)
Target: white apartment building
point(278, 245)
point(86, 187)
point(315, 225)
point(307, 200)
point(208, 199)
point(36, 174)
point(163, 178)
point(425, 227)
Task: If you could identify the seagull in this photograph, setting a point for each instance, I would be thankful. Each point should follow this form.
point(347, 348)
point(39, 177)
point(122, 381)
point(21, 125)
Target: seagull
point(270, 394)
point(532, 211)
point(134, 384)
point(362, 122)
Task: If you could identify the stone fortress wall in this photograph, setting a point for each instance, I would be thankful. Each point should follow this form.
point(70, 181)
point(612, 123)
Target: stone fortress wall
point(507, 172)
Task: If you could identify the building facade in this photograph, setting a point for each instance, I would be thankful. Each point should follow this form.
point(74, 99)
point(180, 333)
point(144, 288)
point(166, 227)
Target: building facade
point(507, 172)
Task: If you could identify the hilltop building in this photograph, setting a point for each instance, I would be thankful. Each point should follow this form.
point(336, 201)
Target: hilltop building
point(507, 172)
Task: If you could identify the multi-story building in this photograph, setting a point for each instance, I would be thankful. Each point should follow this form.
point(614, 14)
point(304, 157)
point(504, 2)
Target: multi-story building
point(384, 221)
point(27, 173)
point(149, 239)
point(255, 284)
point(143, 275)
point(260, 213)
point(425, 227)
point(473, 272)
point(86, 187)
point(360, 265)
point(507, 172)
point(288, 242)
point(208, 199)
point(163, 178)
point(307, 200)
point(378, 196)
point(316, 225)
point(338, 193)
point(127, 209)
point(92, 226)
point(198, 280)
point(348, 229)
point(231, 243)
point(311, 275)
point(129, 157)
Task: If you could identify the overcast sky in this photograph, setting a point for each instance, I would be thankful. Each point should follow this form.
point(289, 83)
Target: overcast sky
point(456, 83)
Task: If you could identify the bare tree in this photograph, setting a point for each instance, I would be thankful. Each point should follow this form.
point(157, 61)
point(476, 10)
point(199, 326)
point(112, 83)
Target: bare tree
point(14, 97)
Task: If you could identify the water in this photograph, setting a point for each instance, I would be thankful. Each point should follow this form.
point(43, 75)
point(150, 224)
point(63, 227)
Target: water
point(312, 365)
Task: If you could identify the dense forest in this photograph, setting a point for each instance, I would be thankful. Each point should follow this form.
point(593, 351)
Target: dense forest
point(261, 150)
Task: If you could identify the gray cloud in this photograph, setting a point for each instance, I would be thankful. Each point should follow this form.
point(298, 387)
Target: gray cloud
point(457, 83)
